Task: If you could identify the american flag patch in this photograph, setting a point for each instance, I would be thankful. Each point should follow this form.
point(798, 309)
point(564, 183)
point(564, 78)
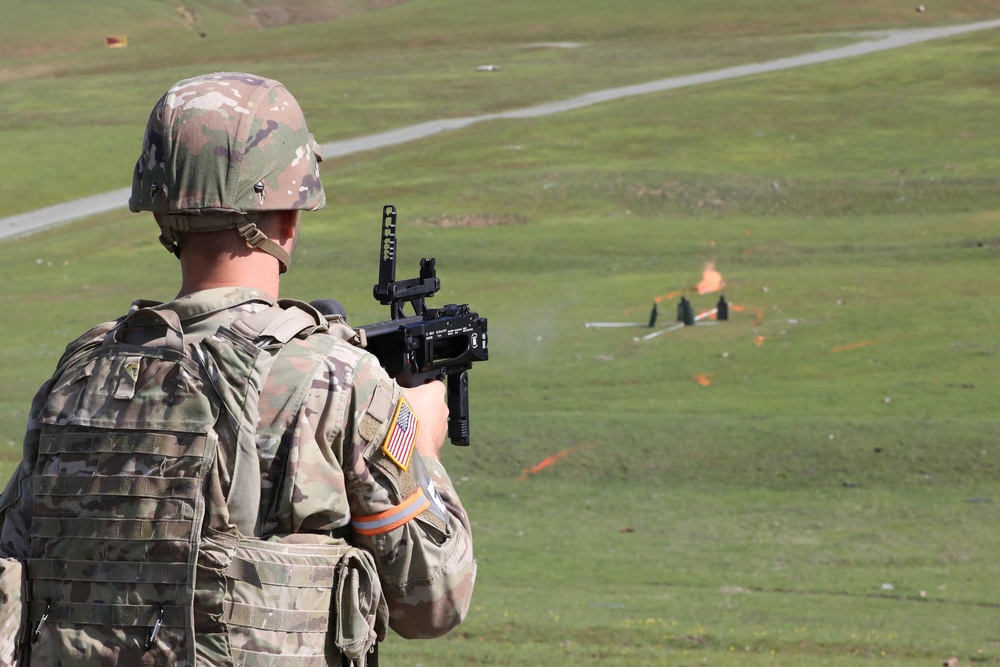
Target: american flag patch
point(398, 444)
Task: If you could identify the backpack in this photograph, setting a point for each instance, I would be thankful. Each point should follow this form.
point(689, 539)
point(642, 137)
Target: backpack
point(138, 555)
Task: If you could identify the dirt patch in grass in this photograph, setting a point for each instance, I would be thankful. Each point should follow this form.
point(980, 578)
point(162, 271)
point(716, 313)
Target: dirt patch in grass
point(271, 14)
point(471, 220)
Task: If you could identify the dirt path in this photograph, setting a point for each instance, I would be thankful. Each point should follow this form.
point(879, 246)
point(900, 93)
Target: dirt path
point(27, 223)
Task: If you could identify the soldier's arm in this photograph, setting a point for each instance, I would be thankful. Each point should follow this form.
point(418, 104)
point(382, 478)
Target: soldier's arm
point(405, 510)
point(16, 500)
point(14, 522)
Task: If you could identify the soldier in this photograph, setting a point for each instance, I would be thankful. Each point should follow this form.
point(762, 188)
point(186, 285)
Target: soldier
point(226, 478)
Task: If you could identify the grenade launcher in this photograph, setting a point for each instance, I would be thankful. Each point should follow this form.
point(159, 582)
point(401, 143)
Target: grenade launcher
point(430, 344)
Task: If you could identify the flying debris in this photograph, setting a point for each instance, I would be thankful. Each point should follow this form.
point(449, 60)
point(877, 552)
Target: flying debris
point(864, 343)
point(549, 460)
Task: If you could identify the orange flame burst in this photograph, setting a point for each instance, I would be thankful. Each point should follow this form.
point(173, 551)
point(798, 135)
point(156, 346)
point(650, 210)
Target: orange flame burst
point(711, 280)
point(546, 462)
point(667, 297)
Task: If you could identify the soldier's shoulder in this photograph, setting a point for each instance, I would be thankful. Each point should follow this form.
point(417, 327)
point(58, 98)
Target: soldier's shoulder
point(93, 336)
point(324, 350)
point(324, 343)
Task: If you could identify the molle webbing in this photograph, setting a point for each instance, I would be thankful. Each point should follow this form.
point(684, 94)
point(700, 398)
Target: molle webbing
point(116, 543)
point(136, 555)
point(118, 572)
point(112, 615)
point(120, 492)
point(292, 602)
point(302, 575)
point(282, 620)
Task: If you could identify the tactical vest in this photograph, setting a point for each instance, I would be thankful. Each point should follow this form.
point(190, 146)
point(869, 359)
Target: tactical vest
point(139, 555)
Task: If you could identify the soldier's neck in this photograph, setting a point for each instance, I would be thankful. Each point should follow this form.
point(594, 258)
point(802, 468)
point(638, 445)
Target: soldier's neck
point(261, 275)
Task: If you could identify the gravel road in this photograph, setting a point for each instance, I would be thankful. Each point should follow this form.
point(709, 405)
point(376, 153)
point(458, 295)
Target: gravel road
point(51, 216)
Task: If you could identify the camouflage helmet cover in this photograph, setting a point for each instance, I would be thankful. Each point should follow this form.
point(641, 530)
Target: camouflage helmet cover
point(227, 143)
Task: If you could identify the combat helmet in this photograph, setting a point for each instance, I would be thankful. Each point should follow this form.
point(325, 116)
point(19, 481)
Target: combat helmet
point(220, 148)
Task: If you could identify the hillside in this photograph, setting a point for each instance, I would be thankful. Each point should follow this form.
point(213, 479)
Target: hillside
point(40, 29)
point(811, 483)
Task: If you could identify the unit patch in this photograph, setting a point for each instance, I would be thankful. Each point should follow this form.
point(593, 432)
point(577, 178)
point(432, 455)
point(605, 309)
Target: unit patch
point(398, 445)
point(377, 413)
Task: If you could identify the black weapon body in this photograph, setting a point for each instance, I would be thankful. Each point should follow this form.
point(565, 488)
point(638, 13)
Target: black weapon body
point(430, 344)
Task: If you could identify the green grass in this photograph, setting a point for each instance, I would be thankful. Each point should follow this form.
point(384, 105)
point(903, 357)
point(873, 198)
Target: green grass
point(847, 437)
point(731, 576)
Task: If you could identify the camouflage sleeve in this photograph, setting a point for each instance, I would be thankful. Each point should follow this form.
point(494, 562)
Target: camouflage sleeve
point(404, 510)
point(16, 501)
point(426, 564)
point(350, 467)
point(14, 524)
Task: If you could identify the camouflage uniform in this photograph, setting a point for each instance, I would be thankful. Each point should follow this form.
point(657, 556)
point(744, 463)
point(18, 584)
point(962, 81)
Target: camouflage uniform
point(333, 443)
point(324, 471)
point(324, 464)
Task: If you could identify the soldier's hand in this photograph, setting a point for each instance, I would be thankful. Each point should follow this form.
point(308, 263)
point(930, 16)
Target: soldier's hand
point(428, 403)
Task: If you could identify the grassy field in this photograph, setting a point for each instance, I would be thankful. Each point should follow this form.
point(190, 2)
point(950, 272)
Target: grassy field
point(811, 483)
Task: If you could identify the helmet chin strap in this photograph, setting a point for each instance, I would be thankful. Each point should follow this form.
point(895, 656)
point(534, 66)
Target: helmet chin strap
point(248, 230)
point(257, 239)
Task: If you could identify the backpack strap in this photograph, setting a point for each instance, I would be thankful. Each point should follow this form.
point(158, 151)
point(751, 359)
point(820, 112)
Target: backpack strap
point(289, 318)
point(335, 324)
point(281, 322)
point(269, 329)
